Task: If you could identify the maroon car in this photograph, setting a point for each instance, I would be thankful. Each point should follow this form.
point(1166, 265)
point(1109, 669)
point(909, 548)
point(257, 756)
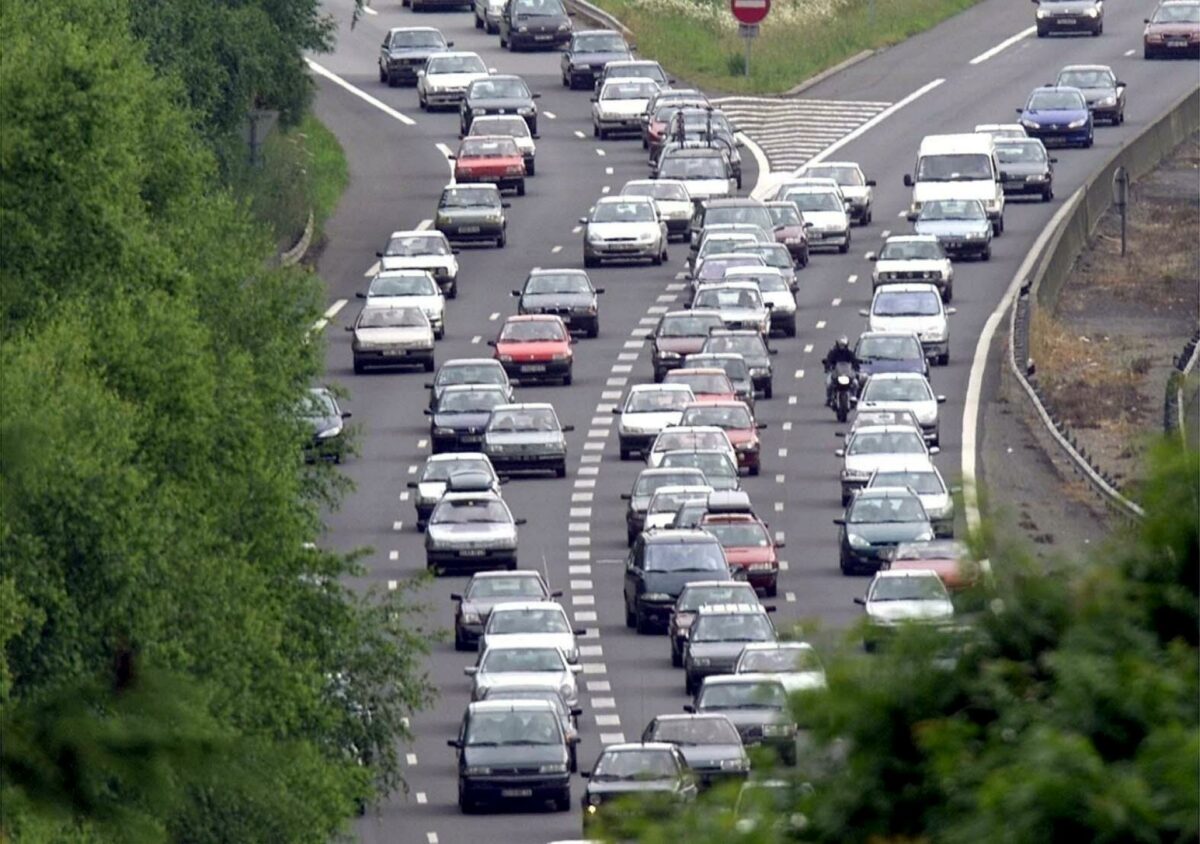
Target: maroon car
point(790, 230)
point(1173, 30)
point(679, 334)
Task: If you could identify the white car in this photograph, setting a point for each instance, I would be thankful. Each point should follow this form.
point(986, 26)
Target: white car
point(511, 126)
point(620, 105)
point(825, 208)
point(527, 664)
point(913, 257)
point(672, 199)
point(740, 304)
point(904, 391)
point(689, 437)
point(917, 308)
point(435, 475)
point(625, 228)
point(422, 250)
point(799, 181)
point(666, 501)
point(856, 187)
point(907, 596)
point(923, 478)
point(385, 336)
point(531, 622)
point(648, 409)
point(705, 172)
point(879, 448)
point(444, 81)
point(777, 294)
point(409, 288)
point(796, 664)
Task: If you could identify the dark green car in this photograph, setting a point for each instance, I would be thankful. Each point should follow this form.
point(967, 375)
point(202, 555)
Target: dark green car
point(472, 213)
point(876, 521)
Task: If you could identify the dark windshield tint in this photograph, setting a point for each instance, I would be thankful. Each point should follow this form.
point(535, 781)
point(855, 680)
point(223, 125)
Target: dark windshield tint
point(889, 442)
point(693, 598)
point(892, 303)
point(490, 729)
point(693, 731)
point(684, 556)
point(512, 587)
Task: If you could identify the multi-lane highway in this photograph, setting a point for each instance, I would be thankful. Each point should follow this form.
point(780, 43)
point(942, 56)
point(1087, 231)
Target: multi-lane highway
point(945, 80)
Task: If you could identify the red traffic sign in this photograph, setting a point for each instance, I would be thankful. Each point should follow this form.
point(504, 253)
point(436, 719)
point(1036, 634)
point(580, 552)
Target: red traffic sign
point(750, 11)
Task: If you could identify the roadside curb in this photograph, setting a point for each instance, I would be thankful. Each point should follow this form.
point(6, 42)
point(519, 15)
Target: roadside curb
point(292, 256)
point(826, 73)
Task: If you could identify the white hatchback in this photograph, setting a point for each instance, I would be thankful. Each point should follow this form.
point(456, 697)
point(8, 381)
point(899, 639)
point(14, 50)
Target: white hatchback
point(917, 308)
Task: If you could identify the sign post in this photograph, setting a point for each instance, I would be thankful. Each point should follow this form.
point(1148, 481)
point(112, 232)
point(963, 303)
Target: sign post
point(1120, 193)
point(749, 13)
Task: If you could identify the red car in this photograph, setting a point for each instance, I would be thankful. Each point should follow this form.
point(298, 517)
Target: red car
point(491, 158)
point(748, 545)
point(790, 230)
point(737, 420)
point(1173, 30)
point(949, 558)
point(535, 347)
point(709, 385)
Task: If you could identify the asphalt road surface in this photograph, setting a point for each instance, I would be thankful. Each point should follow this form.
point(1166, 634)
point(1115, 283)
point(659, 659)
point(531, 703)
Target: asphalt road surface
point(945, 80)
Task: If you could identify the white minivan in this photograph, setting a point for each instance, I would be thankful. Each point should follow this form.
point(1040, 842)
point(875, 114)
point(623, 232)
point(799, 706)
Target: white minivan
point(958, 167)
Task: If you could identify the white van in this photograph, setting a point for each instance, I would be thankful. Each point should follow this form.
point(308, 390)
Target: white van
point(958, 167)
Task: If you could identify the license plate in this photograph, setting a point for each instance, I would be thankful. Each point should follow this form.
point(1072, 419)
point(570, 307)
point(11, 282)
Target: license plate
point(1177, 43)
point(542, 37)
point(468, 229)
point(473, 552)
point(516, 792)
point(536, 367)
point(471, 438)
point(1067, 21)
point(394, 353)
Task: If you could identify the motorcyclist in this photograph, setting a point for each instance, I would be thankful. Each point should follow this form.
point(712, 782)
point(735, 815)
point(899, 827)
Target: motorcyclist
point(840, 353)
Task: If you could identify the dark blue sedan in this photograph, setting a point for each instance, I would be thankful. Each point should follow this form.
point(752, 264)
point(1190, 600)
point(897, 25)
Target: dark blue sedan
point(1058, 114)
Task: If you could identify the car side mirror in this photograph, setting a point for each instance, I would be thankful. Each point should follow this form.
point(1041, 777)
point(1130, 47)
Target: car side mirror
point(1019, 110)
point(451, 156)
point(941, 399)
point(871, 256)
point(595, 99)
point(515, 292)
point(346, 414)
point(687, 707)
point(349, 328)
point(908, 182)
point(625, 496)
point(864, 312)
point(455, 251)
point(841, 434)
point(428, 385)
point(519, 522)
point(413, 485)
point(455, 596)
point(870, 183)
point(616, 411)
point(599, 291)
point(585, 774)
point(360, 295)
point(1121, 84)
point(568, 428)
point(576, 711)
point(762, 426)
point(537, 95)
point(378, 254)
point(420, 73)
point(583, 221)
point(1053, 160)
point(491, 343)
point(839, 521)
point(557, 593)
point(839, 452)
point(449, 43)
point(470, 670)
point(860, 600)
point(772, 351)
point(506, 205)
point(427, 411)
point(780, 544)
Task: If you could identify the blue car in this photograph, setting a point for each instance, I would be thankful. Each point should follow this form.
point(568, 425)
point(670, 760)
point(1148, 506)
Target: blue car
point(1058, 114)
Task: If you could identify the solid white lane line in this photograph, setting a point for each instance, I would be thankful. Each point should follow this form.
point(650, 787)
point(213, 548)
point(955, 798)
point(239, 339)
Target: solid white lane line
point(333, 309)
point(875, 121)
point(362, 95)
point(1003, 45)
point(368, 10)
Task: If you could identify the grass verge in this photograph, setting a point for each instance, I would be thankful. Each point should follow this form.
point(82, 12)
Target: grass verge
point(698, 40)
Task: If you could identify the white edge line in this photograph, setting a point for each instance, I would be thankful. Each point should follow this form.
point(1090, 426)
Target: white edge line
point(1003, 45)
point(873, 122)
point(760, 160)
point(362, 95)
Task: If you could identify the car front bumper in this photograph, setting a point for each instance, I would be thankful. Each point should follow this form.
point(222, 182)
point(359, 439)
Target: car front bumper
point(546, 40)
point(960, 247)
point(655, 614)
point(935, 348)
point(494, 788)
point(621, 249)
point(618, 123)
point(871, 558)
point(529, 372)
point(528, 461)
point(1063, 136)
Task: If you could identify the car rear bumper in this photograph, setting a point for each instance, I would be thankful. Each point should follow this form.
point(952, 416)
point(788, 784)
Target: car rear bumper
point(462, 558)
point(527, 462)
point(393, 357)
point(1060, 25)
point(515, 787)
point(460, 232)
point(502, 182)
point(539, 371)
point(1024, 187)
point(827, 240)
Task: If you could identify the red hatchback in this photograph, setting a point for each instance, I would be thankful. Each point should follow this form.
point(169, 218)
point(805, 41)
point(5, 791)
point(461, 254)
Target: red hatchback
point(535, 347)
point(748, 546)
point(709, 385)
point(737, 420)
point(491, 158)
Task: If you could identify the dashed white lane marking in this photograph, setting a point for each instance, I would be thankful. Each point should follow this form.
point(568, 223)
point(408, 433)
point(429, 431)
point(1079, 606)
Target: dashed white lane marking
point(852, 279)
point(1003, 45)
point(591, 650)
point(657, 309)
point(820, 323)
point(647, 321)
point(790, 597)
point(362, 95)
point(397, 526)
point(372, 270)
point(585, 569)
point(444, 150)
point(329, 314)
point(412, 470)
point(799, 373)
point(808, 347)
point(494, 316)
point(584, 586)
point(780, 478)
point(581, 513)
point(608, 171)
point(605, 189)
point(791, 399)
point(787, 426)
point(579, 527)
point(597, 433)
point(609, 396)
point(612, 738)
point(550, 115)
point(634, 344)
point(622, 367)
point(579, 134)
point(608, 720)
point(627, 356)
point(604, 703)
point(555, 250)
point(589, 458)
point(643, 331)
point(579, 555)
point(778, 506)
point(585, 615)
point(422, 798)
point(589, 470)
point(593, 446)
point(422, 443)
point(783, 452)
point(779, 536)
point(600, 152)
point(598, 686)
point(577, 230)
point(584, 601)
point(667, 297)
point(578, 541)
point(585, 483)
point(616, 382)
point(411, 758)
point(582, 497)
point(783, 565)
point(424, 225)
point(902, 214)
point(1130, 52)
point(404, 495)
point(393, 555)
point(836, 302)
point(431, 838)
point(678, 275)
point(476, 340)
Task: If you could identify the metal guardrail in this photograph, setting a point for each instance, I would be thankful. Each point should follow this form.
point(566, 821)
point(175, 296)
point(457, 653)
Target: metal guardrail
point(597, 15)
point(1173, 402)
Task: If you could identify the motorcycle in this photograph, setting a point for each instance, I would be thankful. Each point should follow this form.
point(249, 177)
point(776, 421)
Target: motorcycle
point(845, 389)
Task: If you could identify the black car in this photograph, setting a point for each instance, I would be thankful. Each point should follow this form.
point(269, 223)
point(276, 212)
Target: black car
point(644, 487)
point(473, 214)
point(484, 590)
point(567, 715)
point(498, 95)
point(653, 774)
point(753, 348)
point(1069, 17)
point(757, 705)
point(512, 750)
point(1105, 94)
point(467, 371)
point(717, 636)
point(659, 565)
point(890, 351)
point(875, 522)
point(566, 293)
point(587, 54)
point(701, 593)
point(1026, 168)
point(320, 411)
point(458, 421)
point(530, 24)
point(709, 743)
point(405, 50)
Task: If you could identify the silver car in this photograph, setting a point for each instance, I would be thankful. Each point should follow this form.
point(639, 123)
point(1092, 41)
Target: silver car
point(672, 199)
point(526, 664)
point(740, 304)
point(878, 448)
point(444, 81)
point(856, 187)
point(471, 530)
point(620, 105)
point(422, 250)
point(526, 438)
point(435, 476)
point(913, 257)
point(625, 228)
point(387, 336)
point(904, 391)
point(917, 308)
point(468, 371)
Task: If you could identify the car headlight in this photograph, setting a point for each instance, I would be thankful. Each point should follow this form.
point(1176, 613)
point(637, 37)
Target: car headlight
point(505, 358)
point(444, 432)
point(478, 770)
point(857, 541)
point(733, 765)
point(495, 217)
point(778, 729)
point(560, 358)
point(759, 371)
point(1042, 13)
point(976, 235)
point(1036, 177)
point(1108, 101)
point(1029, 124)
point(470, 617)
point(329, 432)
point(563, 27)
point(559, 768)
point(935, 334)
point(1076, 124)
point(924, 536)
point(522, 29)
point(1092, 13)
point(594, 237)
point(567, 691)
point(668, 355)
point(656, 596)
point(514, 170)
point(526, 111)
point(744, 447)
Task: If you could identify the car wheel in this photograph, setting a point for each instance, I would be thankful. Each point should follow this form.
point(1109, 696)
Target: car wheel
point(383, 77)
point(440, 334)
point(1099, 31)
point(755, 469)
point(566, 83)
point(846, 570)
point(597, 132)
point(560, 471)
point(452, 293)
point(643, 624)
point(630, 537)
point(1041, 33)
point(359, 368)
point(1088, 143)
point(429, 365)
point(626, 454)
point(563, 802)
point(588, 261)
point(531, 169)
point(944, 360)
point(460, 643)
point(986, 254)
point(567, 380)
point(868, 218)
point(845, 247)
point(789, 330)
point(998, 226)
point(573, 759)
point(657, 260)
point(421, 104)
point(503, 41)
point(1146, 54)
point(1047, 194)
point(789, 757)
point(769, 390)
point(465, 804)
point(502, 239)
point(593, 330)
point(689, 685)
point(772, 590)
point(676, 655)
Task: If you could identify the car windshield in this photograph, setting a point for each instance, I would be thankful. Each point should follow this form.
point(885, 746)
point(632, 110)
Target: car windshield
point(636, 765)
point(1177, 13)
point(749, 346)
point(1087, 79)
point(601, 42)
point(952, 209)
point(703, 384)
point(470, 401)
point(875, 509)
point(539, 8)
point(729, 297)
point(316, 404)
point(624, 212)
point(705, 596)
point(1020, 153)
point(417, 38)
point(525, 419)
point(670, 440)
point(669, 502)
point(413, 245)
point(684, 557)
point(665, 192)
point(686, 325)
point(498, 89)
point(693, 167)
point(922, 483)
point(954, 167)
point(738, 534)
point(694, 731)
point(471, 373)
point(888, 348)
point(896, 389)
point(515, 127)
point(441, 470)
point(470, 511)
point(733, 627)
point(911, 250)
point(712, 464)
point(779, 661)
point(522, 659)
point(743, 696)
point(715, 268)
point(647, 484)
point(895, 303)
point(503, 621)
point(755, 215)
point(658, 401)
point(517, 693)
point(927, 587)
point(886, 442)
point(391, 318)
point(454, 64)
point(1056, 101)
point(412, 284)
point(775, 255)
point(734, 367)
point(841, 174)
point(784, 215)
point(492, 147)
point(812, 201)
point(512, 586)
point(636, 71)
point(472, 197)
point(944, 549)
point(628, 90)
point(526, 331)
point(727, 417)
point(558, 283)
point(493, 729)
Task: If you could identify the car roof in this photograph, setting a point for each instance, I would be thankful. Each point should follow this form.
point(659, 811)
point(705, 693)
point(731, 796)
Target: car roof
point(401, 272)
point(914, 238)
point(632, 63)
point(524, 642)
point(456, 456)
point(741, 679)
point(533, 318)
point(415, 29)
point(709, 584)
point(778, 646)
point(695, 370)
point(677, 489)
point(964, 142)
point(914, 467)
point(884, 429)
point(898, 376)
point(614, 200)
point(731, 517)
point(908, 287)
point(679, 536)
point(518, 606)
point(471, 362)
point(478, 186)
point(888, 333)
point(596, 32)
point(459, 53)
point(732, 609)
point(889, 573)
point(628, 746)
point(557, 271)
point(511, 706)
point(418, 232)
point(502, 76)
point(469, 388)
point(885, 492)
point(720, 402)
point(658, 388)
point(733, 202)
point(691, 716)
point(473, 495)
point(487, 575)
point(527, 405)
